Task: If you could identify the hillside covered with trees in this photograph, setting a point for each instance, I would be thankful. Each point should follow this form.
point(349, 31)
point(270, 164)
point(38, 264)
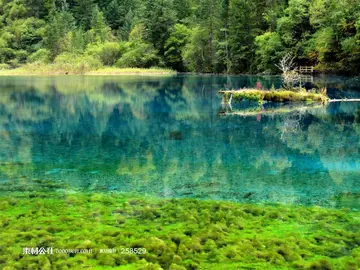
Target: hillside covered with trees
point(210, 36)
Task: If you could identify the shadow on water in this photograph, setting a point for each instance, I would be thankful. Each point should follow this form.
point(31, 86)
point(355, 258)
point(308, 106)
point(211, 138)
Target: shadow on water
point(162, 136)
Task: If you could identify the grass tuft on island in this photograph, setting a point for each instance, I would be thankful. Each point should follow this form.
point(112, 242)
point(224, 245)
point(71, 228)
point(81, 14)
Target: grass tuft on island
point(177, 233)
point(39, 69)
point(280, 95)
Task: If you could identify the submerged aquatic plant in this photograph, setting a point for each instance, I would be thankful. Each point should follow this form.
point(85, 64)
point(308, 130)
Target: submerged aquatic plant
point(176, 233)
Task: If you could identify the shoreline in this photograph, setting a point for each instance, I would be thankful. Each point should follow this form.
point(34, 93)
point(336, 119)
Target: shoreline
point(112, 71)
point(47, 71)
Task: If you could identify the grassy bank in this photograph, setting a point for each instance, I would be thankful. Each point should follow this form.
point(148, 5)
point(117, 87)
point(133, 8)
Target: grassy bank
point(131, 71)
point(70, 69)
point(178, 234)
point(280, 95)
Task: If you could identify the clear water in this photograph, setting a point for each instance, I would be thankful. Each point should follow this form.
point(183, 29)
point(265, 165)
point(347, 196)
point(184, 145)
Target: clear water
point(164, 136)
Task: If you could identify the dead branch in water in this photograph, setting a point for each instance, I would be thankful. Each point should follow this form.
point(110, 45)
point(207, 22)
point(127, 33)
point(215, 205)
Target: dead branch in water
point(345, 100)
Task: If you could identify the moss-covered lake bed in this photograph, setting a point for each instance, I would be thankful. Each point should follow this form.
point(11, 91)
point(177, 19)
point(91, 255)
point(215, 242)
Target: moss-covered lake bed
point(177, 233)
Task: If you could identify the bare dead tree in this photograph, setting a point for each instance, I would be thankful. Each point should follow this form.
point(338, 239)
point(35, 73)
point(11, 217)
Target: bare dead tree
point(289, 70)
point(290, 79)
point(286, 63)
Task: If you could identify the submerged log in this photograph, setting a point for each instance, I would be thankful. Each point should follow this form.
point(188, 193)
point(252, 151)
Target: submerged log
point(284, 109)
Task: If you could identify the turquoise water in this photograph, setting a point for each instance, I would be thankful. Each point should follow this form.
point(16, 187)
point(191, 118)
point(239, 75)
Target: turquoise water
point(164, 136)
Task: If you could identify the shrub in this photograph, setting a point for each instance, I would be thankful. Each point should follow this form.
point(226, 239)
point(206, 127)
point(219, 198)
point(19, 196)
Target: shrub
point(4, 66)
point(21, 56)
point(108, 53)
point(41, 55)
point(140, 55)
point(269, 49)
point(70, 63)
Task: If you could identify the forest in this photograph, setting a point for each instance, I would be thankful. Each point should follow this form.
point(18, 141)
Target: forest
point(207, 36)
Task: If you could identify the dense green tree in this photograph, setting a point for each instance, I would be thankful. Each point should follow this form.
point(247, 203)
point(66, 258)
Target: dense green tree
point(174, 46)
point(183, 9)
point(99, 31)
point(38, 8)
point(270, 49)
point(108, 53)
point(60, 25)
point(235, 36)
point(137, 52)
point(335, 43)
point(20, 34)
point(83, 12)
point(244, 27)
point(13, 10)
point(116, 12)
point(158, 17)
point(197, 53)
point(295, 23)
point(208, 32)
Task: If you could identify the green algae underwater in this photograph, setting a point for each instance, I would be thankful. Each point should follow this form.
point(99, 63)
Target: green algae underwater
point(177, 233)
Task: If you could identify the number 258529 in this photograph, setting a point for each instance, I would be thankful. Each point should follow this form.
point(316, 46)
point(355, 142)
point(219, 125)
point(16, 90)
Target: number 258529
point(139, 251)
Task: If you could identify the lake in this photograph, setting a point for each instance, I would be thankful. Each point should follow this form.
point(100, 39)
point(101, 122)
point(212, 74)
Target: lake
point(166, 137)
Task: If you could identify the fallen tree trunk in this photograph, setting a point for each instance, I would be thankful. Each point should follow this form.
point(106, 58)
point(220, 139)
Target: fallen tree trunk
point(345, 100)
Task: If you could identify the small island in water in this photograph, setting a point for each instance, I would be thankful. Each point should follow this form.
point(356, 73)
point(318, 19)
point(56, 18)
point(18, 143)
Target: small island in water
point(281, 95)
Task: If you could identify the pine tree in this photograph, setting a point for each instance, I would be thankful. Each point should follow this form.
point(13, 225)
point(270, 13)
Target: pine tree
point(60, 24)
point(83, 12)
point(158, 17)
point(99, 31)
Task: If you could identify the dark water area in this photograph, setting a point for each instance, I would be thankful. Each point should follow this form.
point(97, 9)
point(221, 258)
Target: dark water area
point(164, 136)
